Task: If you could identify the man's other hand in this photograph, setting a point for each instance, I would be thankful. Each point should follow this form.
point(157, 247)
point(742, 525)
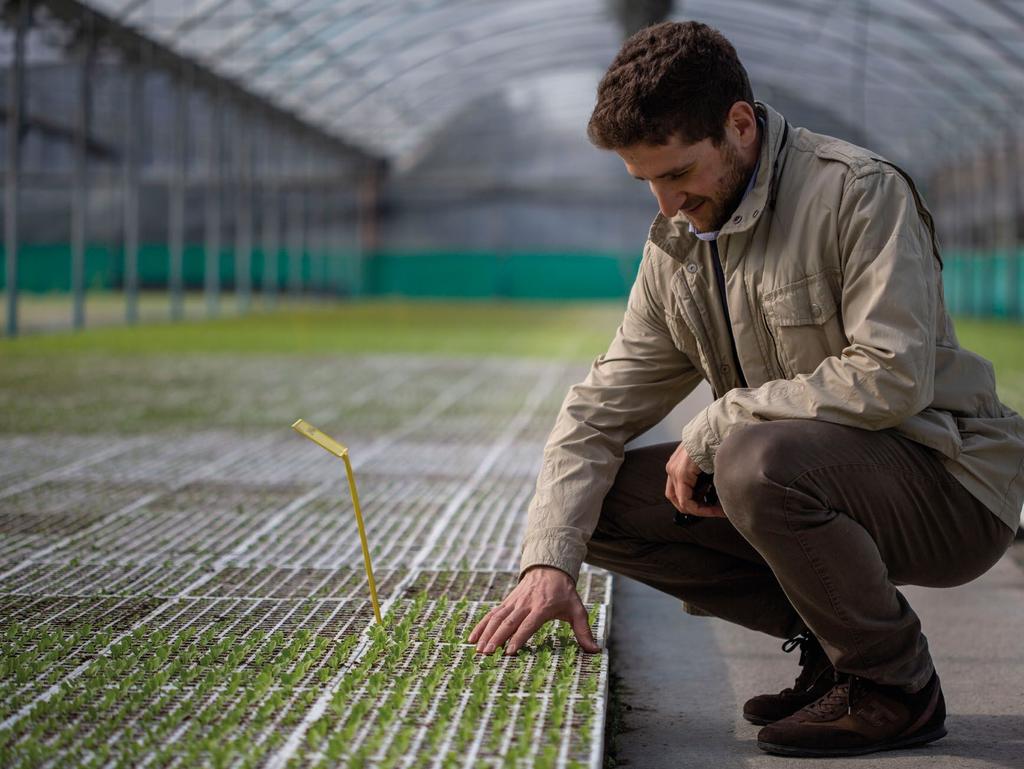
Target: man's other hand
point(543, 594)
point(682, 475)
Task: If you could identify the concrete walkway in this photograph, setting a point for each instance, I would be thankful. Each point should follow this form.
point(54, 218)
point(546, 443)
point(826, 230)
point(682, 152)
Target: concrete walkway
point(684, 680)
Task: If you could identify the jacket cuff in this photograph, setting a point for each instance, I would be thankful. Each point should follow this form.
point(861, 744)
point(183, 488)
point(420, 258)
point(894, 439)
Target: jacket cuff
point(560, 547)
point(700, 441)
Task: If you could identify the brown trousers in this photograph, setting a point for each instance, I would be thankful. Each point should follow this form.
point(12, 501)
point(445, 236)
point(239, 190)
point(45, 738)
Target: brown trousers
point(823, 521)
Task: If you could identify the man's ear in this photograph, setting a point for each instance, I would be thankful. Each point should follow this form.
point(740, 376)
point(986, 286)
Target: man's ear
point(741, 122)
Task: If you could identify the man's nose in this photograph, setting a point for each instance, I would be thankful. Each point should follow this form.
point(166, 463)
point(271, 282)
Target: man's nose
point(669, 202)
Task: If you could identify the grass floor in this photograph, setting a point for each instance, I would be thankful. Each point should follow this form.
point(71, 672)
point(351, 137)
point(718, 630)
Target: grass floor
point(527, 329)
point(235, 372)
point(45, 377)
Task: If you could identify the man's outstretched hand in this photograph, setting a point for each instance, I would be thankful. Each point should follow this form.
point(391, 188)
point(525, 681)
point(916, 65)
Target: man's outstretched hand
point(543, 594)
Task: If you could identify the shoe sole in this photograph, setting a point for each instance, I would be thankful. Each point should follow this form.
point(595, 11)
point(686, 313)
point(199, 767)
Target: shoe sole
point(758, 721)
point(905, 742)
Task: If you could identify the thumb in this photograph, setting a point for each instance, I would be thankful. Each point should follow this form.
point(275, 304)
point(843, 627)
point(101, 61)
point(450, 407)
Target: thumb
point(581, 628)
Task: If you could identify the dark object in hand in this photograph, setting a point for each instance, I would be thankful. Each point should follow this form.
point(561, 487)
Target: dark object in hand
point(704, 494)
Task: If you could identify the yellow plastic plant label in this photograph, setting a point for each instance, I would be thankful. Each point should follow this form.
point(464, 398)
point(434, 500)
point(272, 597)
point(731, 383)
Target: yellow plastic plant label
point(321, 438)
point(325, 441)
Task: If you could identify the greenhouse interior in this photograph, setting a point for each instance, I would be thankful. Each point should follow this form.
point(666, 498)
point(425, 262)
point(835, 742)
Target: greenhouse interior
point(386, 218)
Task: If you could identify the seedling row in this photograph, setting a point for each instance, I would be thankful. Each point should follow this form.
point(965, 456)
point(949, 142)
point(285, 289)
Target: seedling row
point(222, 682)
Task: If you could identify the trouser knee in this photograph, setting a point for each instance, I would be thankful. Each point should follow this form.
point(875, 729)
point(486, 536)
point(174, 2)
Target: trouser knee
point(752, 468)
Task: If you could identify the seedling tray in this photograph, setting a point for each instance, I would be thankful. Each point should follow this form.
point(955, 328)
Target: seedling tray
point(199, 599)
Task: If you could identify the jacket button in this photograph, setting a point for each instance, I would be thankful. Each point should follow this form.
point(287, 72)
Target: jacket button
point(756, 212)
point(725, 368)
point(737, 219)
point(691, 268)
point(815, 310)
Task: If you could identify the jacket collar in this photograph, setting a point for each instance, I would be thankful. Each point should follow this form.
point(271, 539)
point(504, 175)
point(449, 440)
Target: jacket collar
point(673, 235)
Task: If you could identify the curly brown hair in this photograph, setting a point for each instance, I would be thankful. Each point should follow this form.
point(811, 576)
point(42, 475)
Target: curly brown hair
point(670, 78)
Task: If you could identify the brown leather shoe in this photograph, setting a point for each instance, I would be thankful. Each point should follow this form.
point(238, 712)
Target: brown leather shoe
point(858, 716)
point(816, 677)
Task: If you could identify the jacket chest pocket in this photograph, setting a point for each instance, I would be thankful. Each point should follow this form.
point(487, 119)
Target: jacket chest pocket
point(804, 323)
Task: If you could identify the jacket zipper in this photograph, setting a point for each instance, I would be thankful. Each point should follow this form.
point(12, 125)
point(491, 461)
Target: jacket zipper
point(720, 282)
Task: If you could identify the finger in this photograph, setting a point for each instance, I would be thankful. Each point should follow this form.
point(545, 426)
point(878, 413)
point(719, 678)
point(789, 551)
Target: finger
point(505, 629)
point(685, 484)
point(690, 507)
point(499, 613)
point(475, 633)
point(492, 624)
point(683, 467)
point(690, 474)
point(682, 495)
point(481, 626)
point(671, 495)
point(527, 628)
point(581, 628)
point(719, 511)
point(704, 511)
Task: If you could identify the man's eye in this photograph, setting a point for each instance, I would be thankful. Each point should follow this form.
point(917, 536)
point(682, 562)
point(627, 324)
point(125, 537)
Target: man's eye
point(679, 175)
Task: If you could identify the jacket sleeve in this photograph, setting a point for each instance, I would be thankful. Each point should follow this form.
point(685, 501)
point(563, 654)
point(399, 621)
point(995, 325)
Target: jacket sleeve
point(629, 389)
point(886, 372)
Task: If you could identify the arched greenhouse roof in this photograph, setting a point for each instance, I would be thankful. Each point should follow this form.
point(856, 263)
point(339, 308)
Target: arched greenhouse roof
point(915, 79)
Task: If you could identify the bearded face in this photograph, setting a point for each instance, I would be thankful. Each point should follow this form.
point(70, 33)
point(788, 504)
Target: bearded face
point(730, 186)
point(703, 181)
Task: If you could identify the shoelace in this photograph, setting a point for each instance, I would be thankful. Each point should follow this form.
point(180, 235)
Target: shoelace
point(844, 690)
point(805, 641)
point(800, 639)
point(849, 694)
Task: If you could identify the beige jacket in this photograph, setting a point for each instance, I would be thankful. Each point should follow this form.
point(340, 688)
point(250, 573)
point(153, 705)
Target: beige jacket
point(835, 299)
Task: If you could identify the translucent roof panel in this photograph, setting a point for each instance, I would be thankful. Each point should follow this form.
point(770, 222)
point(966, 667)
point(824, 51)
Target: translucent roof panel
point(914, 79)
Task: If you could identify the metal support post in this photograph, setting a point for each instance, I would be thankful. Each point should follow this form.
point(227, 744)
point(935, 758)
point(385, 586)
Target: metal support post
point(271, 241)
point(80, 187)
point(317, 260)
point(323, 223)
point(342, 281)
point(961, 221)
point(1015, 167)
point(327, 255)
point(860, 72)
point(271, 218)
point(211, 273)
point(12, 198)
point(323, 219)
point(133, 128)
point(176, 212)
point(367, 225)
point(941, 186)
point(307, 218)
point(953, 205)
point(981, 231)
point(296, 214)
point(1011, 234)
point(243, 218)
